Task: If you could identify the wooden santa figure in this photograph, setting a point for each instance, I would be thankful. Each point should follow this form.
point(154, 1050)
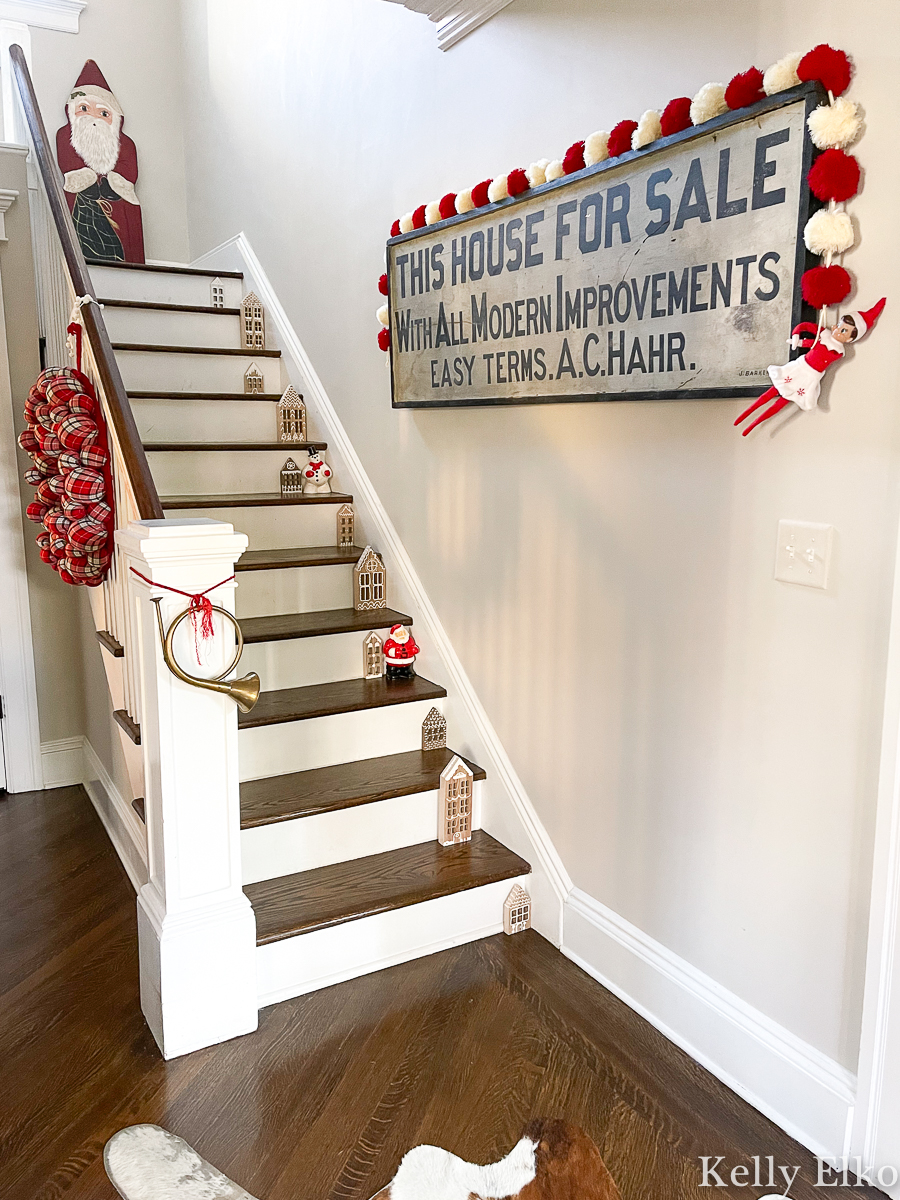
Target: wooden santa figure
point(799, 382)
point(99, 166)
point(400, 652)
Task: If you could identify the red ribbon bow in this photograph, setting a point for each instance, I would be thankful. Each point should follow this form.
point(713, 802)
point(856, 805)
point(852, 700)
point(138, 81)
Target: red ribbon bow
point(200, 606)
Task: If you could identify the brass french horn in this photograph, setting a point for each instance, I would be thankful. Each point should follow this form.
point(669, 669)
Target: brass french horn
point(245, 691)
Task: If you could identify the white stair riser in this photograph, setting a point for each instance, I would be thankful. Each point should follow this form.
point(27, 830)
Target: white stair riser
point(271, 527)
point(207, 420)
point(117, 283)
point(309, 842)
point(162, 328)
point(300, 589)
point(316, 960)
point(303, 661)
point(182, 472)
point(172, 372)
point(327, 741)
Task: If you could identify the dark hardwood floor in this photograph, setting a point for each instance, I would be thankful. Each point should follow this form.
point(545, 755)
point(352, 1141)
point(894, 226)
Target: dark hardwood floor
point(460, 1049)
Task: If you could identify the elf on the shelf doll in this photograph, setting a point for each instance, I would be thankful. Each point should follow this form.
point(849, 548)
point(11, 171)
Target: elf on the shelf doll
point(400, 652)
point(798, 382)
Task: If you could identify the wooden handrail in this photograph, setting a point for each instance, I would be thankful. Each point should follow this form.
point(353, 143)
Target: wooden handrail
point(134, 458)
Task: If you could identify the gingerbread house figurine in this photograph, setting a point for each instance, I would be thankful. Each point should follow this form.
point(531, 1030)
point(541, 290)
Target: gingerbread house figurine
point(345, 523)
point(217, 293)
point(517, 910)
point(373, 657)
point(369, 582)
point(291, 479)
point(291, 416)
point(455, 803)
point(253, 381)
point(253, 326)
point(434, 730)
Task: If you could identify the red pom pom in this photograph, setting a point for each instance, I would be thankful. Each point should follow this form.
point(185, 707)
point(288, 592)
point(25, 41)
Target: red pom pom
point(745, 89)
point(382, 285)
point(831, 67)
point(480, 192)
point(574, 158)
point(395, 229)
point(448, 206)
point(419, 217)
point(517, 182)
point(834, 176)
point(823, 287)
point(620, 138)
point(384, 339)
point(676, 116)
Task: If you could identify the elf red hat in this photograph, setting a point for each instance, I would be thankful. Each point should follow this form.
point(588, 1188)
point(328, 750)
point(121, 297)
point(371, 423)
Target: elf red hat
point(865, 318)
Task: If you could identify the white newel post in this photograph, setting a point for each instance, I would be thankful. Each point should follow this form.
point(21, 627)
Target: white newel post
point(196, 929)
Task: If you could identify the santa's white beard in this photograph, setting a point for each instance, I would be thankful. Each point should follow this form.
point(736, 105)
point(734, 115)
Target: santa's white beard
point(96, 142)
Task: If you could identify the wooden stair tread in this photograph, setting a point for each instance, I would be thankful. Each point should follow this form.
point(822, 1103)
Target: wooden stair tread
point(108, 642)
point(166, 447)
point(251, 500)
point(285, 626)
point(348, 891)
point(157, 306)
point(298, 556)
point(328, 789)
point(326, 699)
point(165, 270)
point(188, 396)
point(131, 727)
point(140, 808)
point(239, 352)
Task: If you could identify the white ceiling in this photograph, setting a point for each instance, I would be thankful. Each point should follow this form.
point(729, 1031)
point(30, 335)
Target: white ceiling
point(454, 18)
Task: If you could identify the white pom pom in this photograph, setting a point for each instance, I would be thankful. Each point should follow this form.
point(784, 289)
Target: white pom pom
point(498, 189)
point(835, 124)
point(464, 202)
point(383, 315)
point(536, 173)
point(595, 148)
point(554, 170)
point(648, 130)
point(783, 74)
point(406, 224)
point(828, 232)
point(433, 213)
point(708, 103)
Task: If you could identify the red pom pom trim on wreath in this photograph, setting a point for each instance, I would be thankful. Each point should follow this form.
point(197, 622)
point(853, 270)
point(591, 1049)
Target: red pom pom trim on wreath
point(823, 287)
point(746, 88)
point(620, 138)
point(830, 67)
point(834, 176)
point(574, 158)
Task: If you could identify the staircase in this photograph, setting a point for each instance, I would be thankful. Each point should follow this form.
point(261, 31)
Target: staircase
point(338, 801)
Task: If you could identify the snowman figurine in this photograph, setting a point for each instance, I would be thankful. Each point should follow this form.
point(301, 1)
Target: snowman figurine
point(400, 652)
point(316, 475)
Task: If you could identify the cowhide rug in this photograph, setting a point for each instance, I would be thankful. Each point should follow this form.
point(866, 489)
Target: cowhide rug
point(553, 1160)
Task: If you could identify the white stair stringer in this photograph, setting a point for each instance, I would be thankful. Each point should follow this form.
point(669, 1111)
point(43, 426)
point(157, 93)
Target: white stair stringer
point(306, 962)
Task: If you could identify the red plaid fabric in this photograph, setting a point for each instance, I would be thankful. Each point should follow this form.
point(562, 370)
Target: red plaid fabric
point(35, 511)
point(76, 431)
point(44, 493)
point(33, 476)
point(47, 464)
point(43, 540)
point(94, 456)
point(57, 484)
point(73, 508)
point(87, 534)
point(101, 511)
point(57, 524)
point(28, 441)
point(48, 442)
point(84, 484)
point(68, 461)
point(42, 416)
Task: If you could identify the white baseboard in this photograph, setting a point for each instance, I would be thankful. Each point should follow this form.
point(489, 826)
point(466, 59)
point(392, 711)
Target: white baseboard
point(803, 1091)
point(124, 827)
point(62, 762)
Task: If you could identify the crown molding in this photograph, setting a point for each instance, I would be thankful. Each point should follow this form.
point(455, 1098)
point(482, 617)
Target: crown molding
point(455, 18)
point(44, 14)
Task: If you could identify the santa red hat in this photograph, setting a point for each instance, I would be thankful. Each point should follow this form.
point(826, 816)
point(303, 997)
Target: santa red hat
point(395, 629)
point(92, 84)
point(865, 318)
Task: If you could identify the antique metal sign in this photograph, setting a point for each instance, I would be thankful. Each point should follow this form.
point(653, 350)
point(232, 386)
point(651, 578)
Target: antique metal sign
point(671, 272)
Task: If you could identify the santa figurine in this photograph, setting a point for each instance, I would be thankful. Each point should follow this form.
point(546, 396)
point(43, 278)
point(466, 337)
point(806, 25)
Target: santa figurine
point(400, 652)
point(99, 166)
point(799, 382)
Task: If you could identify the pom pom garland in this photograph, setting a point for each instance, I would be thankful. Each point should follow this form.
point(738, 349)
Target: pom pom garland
point(383, 315)
point(464, 201)
point(574, 158)
point(834, 176)
point(382, 285)
point(536, 173)
point(829, 66)
point(395, 229)
point(480, 193)
point(596, 148)
point(828, 233)
point(782, 74)
point(418, 217)
point(708, 103)
point(648, 129)
point(620, 138)
point(384, 339)
point(498, 190)
point(432, 213)
point(835, 124)
point(406, 223)
point(448, 205)
point(517, 182)
point(745, 89)
point(554, 170)
point(676, 116)
point(824, 287)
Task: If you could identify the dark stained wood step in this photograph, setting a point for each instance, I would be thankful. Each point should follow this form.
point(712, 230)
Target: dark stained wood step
point(251, 500)
point(326, 699)
point(140, 808)
point(131, 727)
point(347, 785)
point(188, 396)
point(108, 642)
point(348, 891)
point(286, 626)
point(240, 352)
point(184, 308)
point(165, 270)
point(298, 556)
point(168, 447)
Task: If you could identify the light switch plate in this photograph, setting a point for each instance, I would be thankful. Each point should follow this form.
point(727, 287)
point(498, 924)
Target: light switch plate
point(804, 553)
